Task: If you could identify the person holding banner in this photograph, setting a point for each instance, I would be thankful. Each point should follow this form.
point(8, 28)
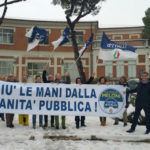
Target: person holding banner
point(50, 80)
point(2, 78)
point(142, 102)
point(82, 118)
point(10, 116)
point(102, 80)
point(37, 80)
point(123, 82)
point(24, 118)
point(59, 80)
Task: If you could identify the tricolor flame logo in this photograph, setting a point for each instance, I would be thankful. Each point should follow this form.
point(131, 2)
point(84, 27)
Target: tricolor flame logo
point(111, 110)
point(116, 54)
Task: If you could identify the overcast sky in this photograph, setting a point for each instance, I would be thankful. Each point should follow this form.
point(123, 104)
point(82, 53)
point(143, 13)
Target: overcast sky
point(113, 12)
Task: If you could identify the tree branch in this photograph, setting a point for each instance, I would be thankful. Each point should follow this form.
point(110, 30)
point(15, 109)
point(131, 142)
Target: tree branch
point(88, 12)
point(72, 8)
point(80, 13)
point(4, 12)
point(5, 8)
point(11, 2)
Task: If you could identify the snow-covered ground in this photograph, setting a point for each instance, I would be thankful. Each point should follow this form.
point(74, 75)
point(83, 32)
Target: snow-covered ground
point(115, 136)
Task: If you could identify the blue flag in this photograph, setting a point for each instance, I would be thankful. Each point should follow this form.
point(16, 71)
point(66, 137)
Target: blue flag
point(64, 38)
point(108, 44)
point(113, 51)
point(35, 36)
point(88, 43)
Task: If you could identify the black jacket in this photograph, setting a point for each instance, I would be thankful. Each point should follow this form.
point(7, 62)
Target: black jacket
point(127, 95)
point(44, 77)
point(143, 94)
point(67, 79)
point(90, 80)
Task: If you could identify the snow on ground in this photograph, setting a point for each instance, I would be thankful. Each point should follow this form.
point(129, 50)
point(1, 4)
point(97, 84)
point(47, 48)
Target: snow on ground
point(116, 136)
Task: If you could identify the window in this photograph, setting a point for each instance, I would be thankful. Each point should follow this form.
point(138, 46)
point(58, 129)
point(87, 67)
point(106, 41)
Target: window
point(6, 68)
point(34, 69)
point(108, 69)
point(120, 68)
point(131, 68)
point(97, 43)
point(98, 38)
point(79, 38)
point(71, 68)
point(6, 36)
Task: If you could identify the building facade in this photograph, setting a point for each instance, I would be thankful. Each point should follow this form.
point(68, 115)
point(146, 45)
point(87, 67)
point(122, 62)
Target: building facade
point(15, 59)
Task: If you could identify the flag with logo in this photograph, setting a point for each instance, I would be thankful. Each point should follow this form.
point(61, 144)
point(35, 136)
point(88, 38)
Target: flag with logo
point(112, 51)
point(87, 44)
point(64, 38)
point(36, 35)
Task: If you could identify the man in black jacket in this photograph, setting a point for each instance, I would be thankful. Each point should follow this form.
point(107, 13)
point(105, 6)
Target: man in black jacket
point(142, 102)
point(50, 80)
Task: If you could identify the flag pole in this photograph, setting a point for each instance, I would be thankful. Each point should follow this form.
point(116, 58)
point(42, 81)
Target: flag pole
point(77, 60)
point(74, 63)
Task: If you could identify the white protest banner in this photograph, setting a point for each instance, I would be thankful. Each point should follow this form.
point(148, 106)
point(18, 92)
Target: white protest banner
point(62, 99)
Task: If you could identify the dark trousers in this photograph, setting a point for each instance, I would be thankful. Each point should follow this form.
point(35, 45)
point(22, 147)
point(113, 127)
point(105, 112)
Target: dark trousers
point(77, 120)
point(40, 120)
point(9, 119)
point(2, 116)
point(63, 121)
point(46, 119)
point(136, 116)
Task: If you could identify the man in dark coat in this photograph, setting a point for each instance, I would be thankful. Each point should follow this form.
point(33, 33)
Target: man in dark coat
point(49, 80)
point(142, 102)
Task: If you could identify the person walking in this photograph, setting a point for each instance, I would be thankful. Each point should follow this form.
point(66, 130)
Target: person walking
point(142, 102)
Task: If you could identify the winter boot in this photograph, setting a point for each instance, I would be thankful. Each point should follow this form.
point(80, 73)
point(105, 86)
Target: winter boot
point(147, 131)
point(130, 130)
point(34, 126)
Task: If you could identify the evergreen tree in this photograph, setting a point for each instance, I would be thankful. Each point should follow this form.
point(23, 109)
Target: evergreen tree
point(146, 21)
point(75, 10)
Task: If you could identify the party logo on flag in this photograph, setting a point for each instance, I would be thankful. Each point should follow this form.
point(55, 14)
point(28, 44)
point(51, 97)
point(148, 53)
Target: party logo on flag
point(110, 50)
point(116, 54)
point(35, 36)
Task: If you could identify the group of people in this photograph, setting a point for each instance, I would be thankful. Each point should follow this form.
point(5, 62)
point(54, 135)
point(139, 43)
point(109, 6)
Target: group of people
point(142, 101)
